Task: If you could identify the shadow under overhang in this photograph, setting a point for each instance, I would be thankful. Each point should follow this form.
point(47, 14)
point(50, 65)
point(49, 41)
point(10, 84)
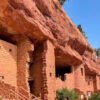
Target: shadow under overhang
point(65, 57)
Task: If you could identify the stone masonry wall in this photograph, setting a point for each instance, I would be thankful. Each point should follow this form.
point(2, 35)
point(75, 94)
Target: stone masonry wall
point(98, 82)
point(49, 71)
point(84, 82)
point(67, 83)
point(36, 71)
point(22, 70)
point(79, 78)
point(89, 83)
point(7, 91)
point(8, 62)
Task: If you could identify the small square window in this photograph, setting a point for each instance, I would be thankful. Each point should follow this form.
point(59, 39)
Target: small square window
point(10, 50)
point(50, 74)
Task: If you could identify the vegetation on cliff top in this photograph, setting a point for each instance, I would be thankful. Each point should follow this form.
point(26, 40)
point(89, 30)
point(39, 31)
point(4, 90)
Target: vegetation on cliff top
point(62, 1)
point(81, 30)
point(98, 52)
point(84, 34)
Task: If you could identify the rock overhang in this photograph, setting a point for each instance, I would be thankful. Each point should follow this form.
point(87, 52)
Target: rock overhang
point(41, 21)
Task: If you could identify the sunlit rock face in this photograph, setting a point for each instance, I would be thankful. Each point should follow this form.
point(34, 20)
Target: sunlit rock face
point(45, 20)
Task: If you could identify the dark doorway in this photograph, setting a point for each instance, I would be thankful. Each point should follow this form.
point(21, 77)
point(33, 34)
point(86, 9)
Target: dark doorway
point(31, 82)
point(61, 71)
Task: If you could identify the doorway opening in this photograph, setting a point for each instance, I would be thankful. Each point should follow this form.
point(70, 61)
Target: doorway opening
point(61, 71)
point(31, 82)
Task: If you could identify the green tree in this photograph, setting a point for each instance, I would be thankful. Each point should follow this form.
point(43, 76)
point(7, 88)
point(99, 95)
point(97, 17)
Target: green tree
point(81, 30)
point(60, 94)
point(62, 1)
point(95, 96)
point(98, 52)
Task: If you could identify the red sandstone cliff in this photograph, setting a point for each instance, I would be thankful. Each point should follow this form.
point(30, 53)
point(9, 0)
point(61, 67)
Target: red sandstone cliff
point(41, 20)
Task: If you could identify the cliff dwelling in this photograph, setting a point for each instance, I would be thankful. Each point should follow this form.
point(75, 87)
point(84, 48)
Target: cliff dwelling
point(42, 51)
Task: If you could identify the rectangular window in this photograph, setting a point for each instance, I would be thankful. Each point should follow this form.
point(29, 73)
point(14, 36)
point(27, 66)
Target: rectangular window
point(89, 82)
point(82, 71)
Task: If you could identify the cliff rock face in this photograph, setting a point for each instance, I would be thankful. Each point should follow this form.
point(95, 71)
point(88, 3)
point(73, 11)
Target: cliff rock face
point(46, 40)
point(44, 19)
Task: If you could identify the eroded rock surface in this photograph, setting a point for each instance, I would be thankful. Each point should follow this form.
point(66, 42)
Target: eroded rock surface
point(44, 19)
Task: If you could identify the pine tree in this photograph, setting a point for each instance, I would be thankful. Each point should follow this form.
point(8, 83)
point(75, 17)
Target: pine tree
point(98, 52)
point(62, 1)
point(81, 30)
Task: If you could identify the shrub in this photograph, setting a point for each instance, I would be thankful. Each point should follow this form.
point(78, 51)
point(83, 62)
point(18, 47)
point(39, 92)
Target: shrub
point(95, 96)
point(60, 94)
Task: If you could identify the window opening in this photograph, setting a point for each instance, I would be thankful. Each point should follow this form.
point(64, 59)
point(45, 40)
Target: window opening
point(60, 72)
point(82, 71)
point(31, 85)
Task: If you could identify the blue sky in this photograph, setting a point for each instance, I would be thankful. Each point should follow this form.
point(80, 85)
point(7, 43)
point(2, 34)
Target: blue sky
point(86, 13)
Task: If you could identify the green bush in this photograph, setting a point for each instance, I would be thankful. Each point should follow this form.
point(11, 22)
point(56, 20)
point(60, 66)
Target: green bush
point(95, 96)
point(60, 94)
